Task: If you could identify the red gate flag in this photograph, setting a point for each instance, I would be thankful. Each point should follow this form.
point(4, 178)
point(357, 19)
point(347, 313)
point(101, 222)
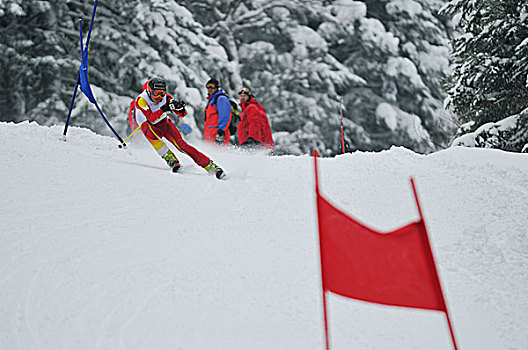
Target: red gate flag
point(393, 268)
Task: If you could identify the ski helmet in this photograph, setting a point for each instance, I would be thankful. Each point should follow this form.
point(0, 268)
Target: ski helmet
point(156, 83)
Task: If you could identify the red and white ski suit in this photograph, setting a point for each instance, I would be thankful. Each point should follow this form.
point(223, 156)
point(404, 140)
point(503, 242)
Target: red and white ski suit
point(155, 124)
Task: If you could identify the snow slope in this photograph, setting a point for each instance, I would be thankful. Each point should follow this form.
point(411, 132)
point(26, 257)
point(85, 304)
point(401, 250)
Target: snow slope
point(102, 248)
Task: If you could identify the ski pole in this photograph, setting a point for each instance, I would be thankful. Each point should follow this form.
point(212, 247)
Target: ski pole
point(129, 136)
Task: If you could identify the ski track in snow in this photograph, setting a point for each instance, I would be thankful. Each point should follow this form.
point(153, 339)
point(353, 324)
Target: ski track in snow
point(103, 248)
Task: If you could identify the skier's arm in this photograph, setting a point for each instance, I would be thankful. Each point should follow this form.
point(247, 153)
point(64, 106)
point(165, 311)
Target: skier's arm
point(143, 108)
point(174, 106)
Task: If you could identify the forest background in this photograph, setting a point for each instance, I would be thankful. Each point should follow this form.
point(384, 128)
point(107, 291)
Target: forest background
point(410, 73)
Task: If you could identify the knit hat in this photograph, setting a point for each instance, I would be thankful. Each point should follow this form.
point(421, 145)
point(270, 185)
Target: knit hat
point(244, 90)
point(212, 83)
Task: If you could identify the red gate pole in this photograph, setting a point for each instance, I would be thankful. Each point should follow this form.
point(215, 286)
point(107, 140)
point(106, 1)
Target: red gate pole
point(315, 155)
point(431, 258)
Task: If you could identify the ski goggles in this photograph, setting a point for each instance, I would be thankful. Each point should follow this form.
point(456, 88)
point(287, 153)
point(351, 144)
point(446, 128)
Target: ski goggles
point(158, 93)
point(244, 91)
point(211, 86)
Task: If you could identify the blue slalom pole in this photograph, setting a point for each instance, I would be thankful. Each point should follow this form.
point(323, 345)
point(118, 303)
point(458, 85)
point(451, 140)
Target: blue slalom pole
point(78, 77)
point(84, 67)
point(71, 108)
point(82, 79)
point(91, 26)
point(110, 126)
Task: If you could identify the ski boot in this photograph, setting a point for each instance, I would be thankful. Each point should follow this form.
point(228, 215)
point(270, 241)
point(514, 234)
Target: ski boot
point(212, 168)
point(172, 161)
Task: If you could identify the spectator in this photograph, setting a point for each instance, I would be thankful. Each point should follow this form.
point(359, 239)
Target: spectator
point(152, 107)
point(217, 114)
point(254, 130)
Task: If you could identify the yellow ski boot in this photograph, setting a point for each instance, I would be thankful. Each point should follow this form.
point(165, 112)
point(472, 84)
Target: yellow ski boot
point(212, 168)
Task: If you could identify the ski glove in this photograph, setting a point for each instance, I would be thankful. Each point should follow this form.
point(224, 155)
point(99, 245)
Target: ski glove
point(220, 136)
point(179, 106)
point(174, 106)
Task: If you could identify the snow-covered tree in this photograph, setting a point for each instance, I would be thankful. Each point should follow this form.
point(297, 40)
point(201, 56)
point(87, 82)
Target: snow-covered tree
point(31, 46)
point(381, 60)
point(490, 77)
point(131, 41)
point(400, 48)
point(508, 134)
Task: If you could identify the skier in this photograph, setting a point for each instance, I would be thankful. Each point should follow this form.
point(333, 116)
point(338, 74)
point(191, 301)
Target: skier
point(217, 114)
point(183, 128)
point(152, 106)
point(254, 130)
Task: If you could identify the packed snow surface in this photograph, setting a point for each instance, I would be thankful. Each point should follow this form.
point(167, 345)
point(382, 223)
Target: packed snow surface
point(105, 248)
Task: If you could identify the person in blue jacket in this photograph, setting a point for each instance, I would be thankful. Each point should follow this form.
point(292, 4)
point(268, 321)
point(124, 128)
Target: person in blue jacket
point(217, 114)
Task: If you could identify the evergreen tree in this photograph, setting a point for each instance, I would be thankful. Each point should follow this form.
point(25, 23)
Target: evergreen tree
point(490, 77)
point(400, 47)
point(131, 41)
point(29, 42)
point(381, 60)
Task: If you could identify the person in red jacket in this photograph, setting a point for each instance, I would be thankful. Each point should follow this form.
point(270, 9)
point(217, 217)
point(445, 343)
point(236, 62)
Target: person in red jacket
point(217, 114)
point(254, 129)
point(152, 107)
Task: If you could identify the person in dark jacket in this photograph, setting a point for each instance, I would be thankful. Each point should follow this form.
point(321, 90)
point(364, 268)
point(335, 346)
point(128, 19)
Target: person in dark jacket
point(254, 129)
